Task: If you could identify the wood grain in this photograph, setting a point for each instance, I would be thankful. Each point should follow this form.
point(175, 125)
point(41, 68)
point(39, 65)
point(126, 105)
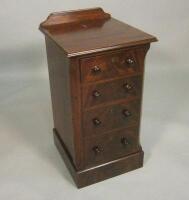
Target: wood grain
point(74, 17)
point(96, 72)
point(107, 143)
point(111, 117)
point(101, 172)
point(103, 93)
point(97, 34)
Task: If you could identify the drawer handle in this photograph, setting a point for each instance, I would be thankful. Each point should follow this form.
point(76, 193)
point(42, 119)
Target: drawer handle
point(126, 113)
point(96, 93)
point(128, 87)
point(96, 122)
point(124, 141)
point(97, 149)
point(96, 69)
point(130, 61)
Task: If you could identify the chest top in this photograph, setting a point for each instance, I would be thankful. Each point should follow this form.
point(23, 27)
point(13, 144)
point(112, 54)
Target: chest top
point(91, 30)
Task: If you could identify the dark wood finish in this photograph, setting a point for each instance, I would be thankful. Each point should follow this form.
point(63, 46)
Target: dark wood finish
point(60, 93)
point(65, 93)
point(96, 34)
point(74, 17)
point(111, 117)
point(111, 146)
point(128, 88)
point(98, 173)
point(112, 65)
point(96, 68)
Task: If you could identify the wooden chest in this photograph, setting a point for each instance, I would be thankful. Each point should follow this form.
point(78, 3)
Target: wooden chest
point(96, 68)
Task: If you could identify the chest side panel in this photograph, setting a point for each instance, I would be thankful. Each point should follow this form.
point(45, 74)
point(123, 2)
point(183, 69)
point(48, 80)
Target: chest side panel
point(59, 75)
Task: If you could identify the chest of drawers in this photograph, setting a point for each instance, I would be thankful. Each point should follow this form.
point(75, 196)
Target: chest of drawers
point(96, 68)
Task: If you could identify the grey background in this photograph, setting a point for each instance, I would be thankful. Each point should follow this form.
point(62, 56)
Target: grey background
point(30, 166)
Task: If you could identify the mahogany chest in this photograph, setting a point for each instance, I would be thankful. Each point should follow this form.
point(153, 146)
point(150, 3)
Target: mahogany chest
point(96, 69)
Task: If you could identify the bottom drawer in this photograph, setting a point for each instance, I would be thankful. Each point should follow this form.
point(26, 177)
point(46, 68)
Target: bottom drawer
point(111, 146)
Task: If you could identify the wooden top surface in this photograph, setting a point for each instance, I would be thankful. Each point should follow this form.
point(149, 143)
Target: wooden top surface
point(92, 30)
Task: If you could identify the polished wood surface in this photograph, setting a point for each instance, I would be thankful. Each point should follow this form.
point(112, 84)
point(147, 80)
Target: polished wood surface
point(111, 117)
point(60, 93)
point(102, 149)
point(126, 62)
point(96, 33)
point(100, 172)
point(126, 89)
point(96, 70)
point(74, 17)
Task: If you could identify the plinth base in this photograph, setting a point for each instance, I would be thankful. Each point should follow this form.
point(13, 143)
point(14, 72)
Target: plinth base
point(101, 172)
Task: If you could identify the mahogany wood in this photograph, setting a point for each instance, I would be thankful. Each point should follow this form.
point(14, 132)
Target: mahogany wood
point(112, 65)
point(128, 88)
point(111, 117)
point(100, 172)
point(74, 17)
point(96, 34)
point(96, 70)
point(125, 141)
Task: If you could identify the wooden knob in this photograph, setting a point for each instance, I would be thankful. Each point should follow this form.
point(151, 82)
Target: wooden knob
point(124, 141)
point(97, 149)
point(130, 61)
point(128, 87)
point(96, 122)
point(126, 113)
point(96, 69)
point(96, 93)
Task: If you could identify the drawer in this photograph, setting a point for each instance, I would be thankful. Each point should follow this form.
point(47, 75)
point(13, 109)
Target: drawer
point(126, 88)
point(107, 118)
point(107, 66)
point(109, 147)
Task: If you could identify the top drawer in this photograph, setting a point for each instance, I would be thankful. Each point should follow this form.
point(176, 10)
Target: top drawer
point(107, 66)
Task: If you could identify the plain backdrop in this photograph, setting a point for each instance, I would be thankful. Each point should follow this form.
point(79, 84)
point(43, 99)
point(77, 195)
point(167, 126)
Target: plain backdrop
point(30, 166)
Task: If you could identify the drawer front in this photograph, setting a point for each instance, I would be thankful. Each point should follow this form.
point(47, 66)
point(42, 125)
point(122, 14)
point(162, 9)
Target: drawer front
point(127, 88)
point(123, 63)
point(109, 147)
point(103, 119)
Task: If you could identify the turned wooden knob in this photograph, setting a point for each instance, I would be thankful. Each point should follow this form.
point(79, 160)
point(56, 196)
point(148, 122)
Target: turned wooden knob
point(96, 122)
point(96, 69)
point(126, 113)
point(97, 149)
point(130, 61)
point(124, 141)
point(128, 87)
point(96, 93)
